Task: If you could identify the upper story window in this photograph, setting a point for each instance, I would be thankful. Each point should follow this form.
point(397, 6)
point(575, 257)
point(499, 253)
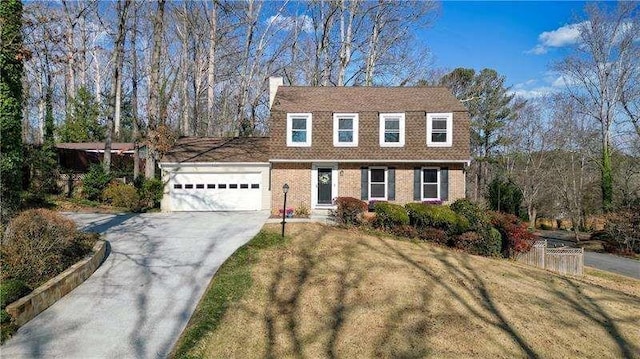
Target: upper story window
point(439, 129)
point(392, 129)
point(345, 129)
point(298, 129)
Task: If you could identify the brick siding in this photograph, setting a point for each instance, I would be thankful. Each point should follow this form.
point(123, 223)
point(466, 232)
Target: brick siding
point(298, 176)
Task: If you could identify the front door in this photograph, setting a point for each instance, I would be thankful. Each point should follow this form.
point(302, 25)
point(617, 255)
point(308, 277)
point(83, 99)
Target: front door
point(324, 186)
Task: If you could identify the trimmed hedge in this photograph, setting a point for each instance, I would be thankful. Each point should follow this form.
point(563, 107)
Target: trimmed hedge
point(389, 215)
point(349, 210)
point(434, 235)
point(442, 217)
point(477, 217)
point(487, 244)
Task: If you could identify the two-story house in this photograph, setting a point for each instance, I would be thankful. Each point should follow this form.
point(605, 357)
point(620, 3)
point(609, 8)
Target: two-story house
point(397, 144)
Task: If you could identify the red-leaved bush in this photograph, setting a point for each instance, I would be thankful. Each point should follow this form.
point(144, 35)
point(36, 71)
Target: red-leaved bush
point(516, 238)
point(433, 235)
point(349, 210)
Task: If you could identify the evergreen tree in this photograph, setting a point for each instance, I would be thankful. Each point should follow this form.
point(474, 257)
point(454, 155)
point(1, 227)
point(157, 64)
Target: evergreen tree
point(82, 122)
point(12, 55)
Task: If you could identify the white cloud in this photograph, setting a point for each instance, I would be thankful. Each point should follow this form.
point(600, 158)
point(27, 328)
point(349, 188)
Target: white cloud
point(535, 92)
point(291, 22)
point(563, 36)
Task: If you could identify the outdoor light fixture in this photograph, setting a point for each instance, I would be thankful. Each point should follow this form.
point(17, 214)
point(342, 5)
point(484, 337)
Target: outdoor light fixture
point(285, 189)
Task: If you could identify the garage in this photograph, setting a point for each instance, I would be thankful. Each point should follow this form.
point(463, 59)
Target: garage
point(216, 192)
point(209, 174)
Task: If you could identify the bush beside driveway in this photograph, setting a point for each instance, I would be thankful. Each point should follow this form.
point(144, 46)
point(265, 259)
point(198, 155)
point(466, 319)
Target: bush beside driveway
point(139, 301)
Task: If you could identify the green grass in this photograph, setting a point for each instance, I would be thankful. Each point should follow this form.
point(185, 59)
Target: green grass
point(230, 283)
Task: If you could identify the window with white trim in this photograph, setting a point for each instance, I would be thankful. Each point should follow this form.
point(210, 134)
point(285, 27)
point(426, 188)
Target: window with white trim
point(345, 129)
point(298, 129)
point(392, 129)
point(439, 129)
point(378, 183)
point(430, 183)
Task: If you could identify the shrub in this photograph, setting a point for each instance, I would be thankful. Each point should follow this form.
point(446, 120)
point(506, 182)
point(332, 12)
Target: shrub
point(302, 211)
point(349, 210)
point(515, 236)
point(5, 318)
point(39, 244)
point(389, 215)
point(151, 191)
point(122, 195)
point(467, 240)
point(94, 182)
point(490, 243)
point(476, 216)
point(621, 233)
point(406, 231)
point(433, 235)
point(12, 290)
point(441, 217)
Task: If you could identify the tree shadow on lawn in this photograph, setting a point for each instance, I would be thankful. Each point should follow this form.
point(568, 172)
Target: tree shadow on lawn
point(313, 304)
point(312, 298)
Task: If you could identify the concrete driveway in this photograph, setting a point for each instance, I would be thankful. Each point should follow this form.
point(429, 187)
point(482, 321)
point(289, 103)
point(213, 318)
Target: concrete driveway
point(138, 302)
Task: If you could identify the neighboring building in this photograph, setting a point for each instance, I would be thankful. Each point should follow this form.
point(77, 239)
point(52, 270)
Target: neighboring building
point(398, 144)
point(77, 157)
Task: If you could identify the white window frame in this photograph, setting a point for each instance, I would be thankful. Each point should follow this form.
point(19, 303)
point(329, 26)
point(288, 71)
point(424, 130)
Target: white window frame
point(422, 183)
point(383, 117)
point(336, 129)
point(290, 117)
point(449, 117)
point(386, 184)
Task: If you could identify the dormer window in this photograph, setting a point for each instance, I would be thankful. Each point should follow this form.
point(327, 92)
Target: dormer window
point(298, 129)
point(392, 129)
point(345, 129)
point(439, 129)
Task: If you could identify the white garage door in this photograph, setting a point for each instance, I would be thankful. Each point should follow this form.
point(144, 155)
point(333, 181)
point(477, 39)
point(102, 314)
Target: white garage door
point(216, 192)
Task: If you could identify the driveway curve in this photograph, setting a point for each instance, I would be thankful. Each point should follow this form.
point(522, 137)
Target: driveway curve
point(138, 302)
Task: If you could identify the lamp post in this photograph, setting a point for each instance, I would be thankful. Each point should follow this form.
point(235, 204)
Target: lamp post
point(285, 189)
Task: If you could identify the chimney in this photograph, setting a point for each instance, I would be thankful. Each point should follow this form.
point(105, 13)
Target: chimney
point(274, 83)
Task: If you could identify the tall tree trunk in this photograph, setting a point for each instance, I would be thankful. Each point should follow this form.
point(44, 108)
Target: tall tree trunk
point(346, 35)
point(372, 55)
point(115, 98)
point(211, 70)
point(134, 95)
point(154, 89)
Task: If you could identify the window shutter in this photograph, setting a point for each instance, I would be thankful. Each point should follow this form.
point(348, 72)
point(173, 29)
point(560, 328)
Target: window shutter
point(364, 184)
point(417, 196)
point(444, 184)
point(391, 182)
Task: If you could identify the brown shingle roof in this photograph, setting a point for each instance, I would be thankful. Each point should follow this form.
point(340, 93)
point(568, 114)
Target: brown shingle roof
point(358, 99)
point(93, 146)
point(209, 149)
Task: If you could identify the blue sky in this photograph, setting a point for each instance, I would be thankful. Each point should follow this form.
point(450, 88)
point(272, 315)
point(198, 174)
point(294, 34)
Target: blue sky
point(505, 36)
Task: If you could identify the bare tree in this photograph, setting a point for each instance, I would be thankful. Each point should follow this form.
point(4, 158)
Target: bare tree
point(115, 98)
point(153, 106)
point(597, 71)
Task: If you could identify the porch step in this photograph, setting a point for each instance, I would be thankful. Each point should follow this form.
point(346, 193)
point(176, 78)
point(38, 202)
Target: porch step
point(321, 215)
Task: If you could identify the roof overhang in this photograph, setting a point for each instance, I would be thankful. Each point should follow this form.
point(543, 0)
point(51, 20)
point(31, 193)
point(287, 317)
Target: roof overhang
point(276, 160)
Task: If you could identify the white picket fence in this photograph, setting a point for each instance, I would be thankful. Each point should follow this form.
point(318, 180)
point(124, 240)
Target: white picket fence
point(562, 260)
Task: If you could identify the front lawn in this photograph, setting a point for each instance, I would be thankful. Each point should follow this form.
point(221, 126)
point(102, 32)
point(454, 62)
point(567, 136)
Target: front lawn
point(331, 292)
